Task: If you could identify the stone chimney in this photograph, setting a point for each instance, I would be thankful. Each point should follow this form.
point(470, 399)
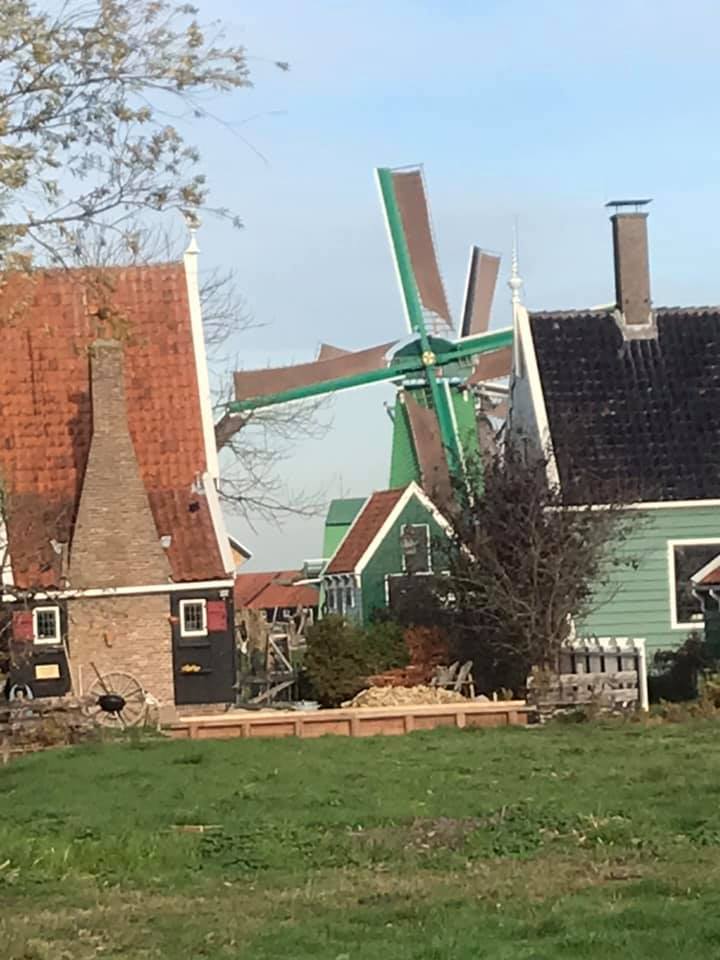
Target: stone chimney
point(632, 271)
point(115, 542)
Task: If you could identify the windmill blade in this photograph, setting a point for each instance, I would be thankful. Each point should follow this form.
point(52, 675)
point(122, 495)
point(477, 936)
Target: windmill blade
point(409, 196)
point(329, 352)
point(492, 366)
point(479, 291)
point(272, 380)
point(429, 451)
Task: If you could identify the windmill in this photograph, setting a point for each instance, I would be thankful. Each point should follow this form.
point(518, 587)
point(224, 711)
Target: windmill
point(442, 376)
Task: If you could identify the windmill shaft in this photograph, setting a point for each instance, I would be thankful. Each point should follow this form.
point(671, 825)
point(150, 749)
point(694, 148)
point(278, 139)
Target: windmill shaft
point(397, 370)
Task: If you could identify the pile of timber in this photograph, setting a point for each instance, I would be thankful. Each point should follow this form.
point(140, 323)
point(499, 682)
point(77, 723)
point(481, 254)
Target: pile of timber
point(30, 725)
point(404, 696)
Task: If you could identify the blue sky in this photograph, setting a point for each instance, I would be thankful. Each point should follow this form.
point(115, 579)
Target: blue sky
point(537, 110)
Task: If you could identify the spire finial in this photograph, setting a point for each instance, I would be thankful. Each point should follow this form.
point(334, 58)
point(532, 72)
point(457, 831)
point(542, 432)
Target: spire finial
point(193, 224)
point(515, 282)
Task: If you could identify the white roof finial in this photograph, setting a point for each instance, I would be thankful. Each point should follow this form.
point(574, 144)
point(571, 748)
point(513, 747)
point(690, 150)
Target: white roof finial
point(515, 282)
point(193, 224)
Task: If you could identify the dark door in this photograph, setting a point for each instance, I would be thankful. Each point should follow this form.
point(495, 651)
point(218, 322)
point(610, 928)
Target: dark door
point(204, 662)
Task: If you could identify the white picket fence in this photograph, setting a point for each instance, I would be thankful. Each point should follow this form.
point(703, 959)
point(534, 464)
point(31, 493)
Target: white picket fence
point(610, 670)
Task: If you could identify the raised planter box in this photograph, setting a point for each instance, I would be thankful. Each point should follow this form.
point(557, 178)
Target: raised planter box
point(351, 722)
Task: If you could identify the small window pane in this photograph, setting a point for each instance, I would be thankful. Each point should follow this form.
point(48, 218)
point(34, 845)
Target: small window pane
point(690, 558)
point(415, 543)
point(46, 625)
point(349, 598)
point(193, 618)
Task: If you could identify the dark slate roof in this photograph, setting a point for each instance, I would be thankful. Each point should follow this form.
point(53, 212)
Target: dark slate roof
point(641, 417)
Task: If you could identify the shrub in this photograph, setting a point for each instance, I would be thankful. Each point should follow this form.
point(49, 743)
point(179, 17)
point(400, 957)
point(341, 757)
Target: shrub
point(340, 656)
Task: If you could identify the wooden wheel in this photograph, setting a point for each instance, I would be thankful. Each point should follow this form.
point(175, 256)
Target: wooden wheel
point(116, 700)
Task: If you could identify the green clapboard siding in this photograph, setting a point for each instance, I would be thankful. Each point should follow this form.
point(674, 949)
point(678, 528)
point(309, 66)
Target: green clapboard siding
point(340, 516)
point(404, 467)
point(387, 558)
point(638, 602)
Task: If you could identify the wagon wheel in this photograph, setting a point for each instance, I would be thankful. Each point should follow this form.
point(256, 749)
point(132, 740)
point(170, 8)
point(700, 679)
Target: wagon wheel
point(117, 700)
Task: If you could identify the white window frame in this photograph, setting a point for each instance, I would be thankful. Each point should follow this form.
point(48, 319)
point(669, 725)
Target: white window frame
point(395, 576)
point(429, 548)
point(671, 544)
point(193, 602)
point(49, 641)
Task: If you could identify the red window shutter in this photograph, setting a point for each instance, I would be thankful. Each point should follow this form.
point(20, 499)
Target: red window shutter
point(216, 616)
point(22, 625)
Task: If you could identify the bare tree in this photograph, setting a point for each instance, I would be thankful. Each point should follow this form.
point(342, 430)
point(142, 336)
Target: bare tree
point(523, 565)
point(255, 446)
point(92, 94)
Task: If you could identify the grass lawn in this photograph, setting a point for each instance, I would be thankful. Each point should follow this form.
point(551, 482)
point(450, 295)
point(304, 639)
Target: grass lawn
point(577, 841)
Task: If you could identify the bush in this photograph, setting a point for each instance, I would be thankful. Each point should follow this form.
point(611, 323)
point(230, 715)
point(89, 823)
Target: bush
point(340, 656)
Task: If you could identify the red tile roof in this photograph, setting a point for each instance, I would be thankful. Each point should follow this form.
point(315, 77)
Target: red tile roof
point(367, 524)
point(712, 578)
point(48, 321)
point(264, 591)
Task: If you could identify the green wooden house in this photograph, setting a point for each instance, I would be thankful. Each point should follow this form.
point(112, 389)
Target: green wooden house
point(627, 398)
point(396, 535)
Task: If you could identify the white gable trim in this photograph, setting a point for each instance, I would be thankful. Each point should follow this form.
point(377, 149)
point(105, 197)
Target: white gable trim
point(532, 373)
point(412, 490)
point(201, 367)
point(218, 522)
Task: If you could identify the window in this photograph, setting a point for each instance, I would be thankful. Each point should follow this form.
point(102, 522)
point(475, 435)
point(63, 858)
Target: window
point(193, 618)
point(685, 559)
point(330, 598)
point(46, 625)
point(415, 546)
point(349, 598)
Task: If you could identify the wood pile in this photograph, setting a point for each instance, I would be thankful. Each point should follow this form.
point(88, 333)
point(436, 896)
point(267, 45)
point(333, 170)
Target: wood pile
point(428, 649)
point(30, 725)
point(404, 696)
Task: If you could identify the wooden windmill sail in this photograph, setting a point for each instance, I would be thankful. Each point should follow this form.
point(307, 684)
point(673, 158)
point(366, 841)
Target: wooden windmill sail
point(437, 371)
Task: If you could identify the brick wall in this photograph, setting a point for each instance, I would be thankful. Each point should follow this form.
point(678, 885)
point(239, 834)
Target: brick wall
point(126, 634)
point(115, 541)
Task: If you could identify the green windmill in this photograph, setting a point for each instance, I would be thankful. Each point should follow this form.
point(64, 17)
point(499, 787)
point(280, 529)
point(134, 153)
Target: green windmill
point(444, 378)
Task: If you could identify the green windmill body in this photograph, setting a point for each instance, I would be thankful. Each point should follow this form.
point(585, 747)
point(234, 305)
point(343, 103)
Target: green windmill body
point(435, 431)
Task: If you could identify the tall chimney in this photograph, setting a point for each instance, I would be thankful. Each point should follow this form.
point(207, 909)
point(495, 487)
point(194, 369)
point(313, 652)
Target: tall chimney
point(115, 542)
point(632, 270)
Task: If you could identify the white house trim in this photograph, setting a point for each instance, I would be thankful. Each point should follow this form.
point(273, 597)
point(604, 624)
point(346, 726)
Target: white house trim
point(70, 594)
point(644, 505)
point(201, 367)
point(6, 572)
point(689, 542)
point(218, 521)
point(532, 373)
point(412, 490)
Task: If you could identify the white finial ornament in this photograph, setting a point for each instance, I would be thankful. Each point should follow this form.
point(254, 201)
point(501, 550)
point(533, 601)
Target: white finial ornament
point(193, 225)
point(515, 282)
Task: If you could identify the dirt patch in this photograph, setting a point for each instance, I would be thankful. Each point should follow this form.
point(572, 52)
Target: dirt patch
point(436, 833)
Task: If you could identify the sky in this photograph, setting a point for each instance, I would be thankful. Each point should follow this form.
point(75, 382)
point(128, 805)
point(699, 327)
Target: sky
point(535, 111)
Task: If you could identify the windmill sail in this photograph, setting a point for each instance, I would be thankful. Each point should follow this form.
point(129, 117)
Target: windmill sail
point(431, 457)
point(412, 204)
point(491, 366)
point(332, 365)
point(479, 292)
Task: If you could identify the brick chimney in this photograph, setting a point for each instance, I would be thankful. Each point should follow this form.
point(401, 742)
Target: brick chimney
point(115, 542)
point(632, 271)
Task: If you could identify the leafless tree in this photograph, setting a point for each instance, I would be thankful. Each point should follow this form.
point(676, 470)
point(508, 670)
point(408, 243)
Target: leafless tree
point(93, 97)
point(523, 565)
point(256, 446)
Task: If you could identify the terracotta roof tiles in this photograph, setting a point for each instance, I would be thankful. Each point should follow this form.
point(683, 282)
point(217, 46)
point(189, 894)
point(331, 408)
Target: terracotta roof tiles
point(49, 320)
point(367, 524)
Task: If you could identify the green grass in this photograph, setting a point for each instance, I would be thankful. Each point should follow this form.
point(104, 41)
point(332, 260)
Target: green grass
point(585, 841)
